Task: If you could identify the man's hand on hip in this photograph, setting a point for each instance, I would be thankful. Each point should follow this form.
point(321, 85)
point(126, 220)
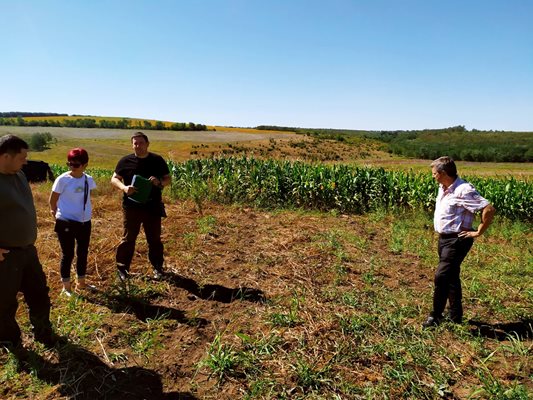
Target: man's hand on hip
point(2, 252)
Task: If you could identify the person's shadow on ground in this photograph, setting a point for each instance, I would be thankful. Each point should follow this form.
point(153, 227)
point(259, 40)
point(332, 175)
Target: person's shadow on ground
point(215, 292)
point(520, 330)
point(80, 374)
point(123, 301)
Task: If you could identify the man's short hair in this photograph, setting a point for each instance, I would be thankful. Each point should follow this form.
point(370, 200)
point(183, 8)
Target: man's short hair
point(12, 144)
point(447, 165)
point(140, 134)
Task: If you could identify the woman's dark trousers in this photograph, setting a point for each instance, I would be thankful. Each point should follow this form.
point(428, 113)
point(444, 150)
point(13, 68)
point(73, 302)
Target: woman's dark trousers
point(72, 234)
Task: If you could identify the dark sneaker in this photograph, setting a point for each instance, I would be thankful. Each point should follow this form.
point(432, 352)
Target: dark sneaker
point(11, 347)
point(52, 340)
point(456, 320)
point(123, 275)
point(158, 274)
point(431, 322)
point(21, 354)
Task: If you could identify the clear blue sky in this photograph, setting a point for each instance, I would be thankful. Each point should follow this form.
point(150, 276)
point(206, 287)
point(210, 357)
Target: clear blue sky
point(359, 64)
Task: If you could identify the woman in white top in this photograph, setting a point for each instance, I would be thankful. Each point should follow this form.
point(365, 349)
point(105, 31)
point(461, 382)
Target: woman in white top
point(70, 204)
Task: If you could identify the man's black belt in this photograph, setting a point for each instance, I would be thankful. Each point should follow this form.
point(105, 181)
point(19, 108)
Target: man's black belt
point(449, 235)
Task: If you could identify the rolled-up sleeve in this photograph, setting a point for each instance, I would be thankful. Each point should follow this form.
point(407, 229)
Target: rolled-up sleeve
point(471, 200)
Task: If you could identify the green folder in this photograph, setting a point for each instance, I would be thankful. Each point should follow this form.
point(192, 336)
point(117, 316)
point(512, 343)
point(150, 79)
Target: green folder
point(144, 188)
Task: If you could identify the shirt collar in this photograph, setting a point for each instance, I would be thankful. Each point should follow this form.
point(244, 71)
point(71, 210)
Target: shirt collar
point(452, 187)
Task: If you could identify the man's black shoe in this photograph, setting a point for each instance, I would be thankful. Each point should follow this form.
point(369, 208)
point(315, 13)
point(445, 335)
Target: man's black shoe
point(431, 322)
point(52, 340)
point(123, 274)
point(158, 273)
point(16, 349)
point(456, 319)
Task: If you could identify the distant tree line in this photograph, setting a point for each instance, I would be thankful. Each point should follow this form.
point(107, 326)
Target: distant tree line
point(276, 128)
point(15, 114)
point(85, 122)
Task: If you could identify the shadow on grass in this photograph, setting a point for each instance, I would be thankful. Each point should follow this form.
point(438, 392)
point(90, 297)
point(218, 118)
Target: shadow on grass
point(122, 301)
point(522, 329)
point(81, 374)
point(215, 292)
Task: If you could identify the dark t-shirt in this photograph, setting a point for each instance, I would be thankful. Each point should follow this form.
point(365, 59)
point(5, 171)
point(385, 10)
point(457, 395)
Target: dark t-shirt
point(18, 220)
point(151, 165)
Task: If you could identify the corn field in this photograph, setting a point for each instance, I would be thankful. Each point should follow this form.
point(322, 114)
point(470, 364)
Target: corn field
point(348, 189)
point(97, 173)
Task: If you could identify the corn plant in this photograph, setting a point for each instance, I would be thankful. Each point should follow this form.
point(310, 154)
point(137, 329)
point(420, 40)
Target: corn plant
point(94, 172)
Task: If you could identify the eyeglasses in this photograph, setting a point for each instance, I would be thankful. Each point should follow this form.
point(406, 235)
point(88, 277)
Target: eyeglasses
point(73, 164)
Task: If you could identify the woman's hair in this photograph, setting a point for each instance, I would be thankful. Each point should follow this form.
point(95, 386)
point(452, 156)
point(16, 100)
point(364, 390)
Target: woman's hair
point(78, 154)
point(447, 165)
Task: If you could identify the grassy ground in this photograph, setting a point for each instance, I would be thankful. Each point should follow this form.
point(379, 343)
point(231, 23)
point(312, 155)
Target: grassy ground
point(281, 304)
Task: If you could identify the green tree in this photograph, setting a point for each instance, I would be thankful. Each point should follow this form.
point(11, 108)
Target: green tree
point(39, 141)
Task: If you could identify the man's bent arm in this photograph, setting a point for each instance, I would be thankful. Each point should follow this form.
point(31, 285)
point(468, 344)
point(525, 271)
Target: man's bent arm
point(117, 181)
point(487, 215)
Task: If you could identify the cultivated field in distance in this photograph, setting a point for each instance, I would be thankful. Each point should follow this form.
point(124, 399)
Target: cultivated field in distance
point(106, 146)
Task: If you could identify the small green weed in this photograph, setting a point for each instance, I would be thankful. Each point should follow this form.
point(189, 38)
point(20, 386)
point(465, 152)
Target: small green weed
point(288, 319)
point(222, 360)
point(206, 224)
point(309, 376)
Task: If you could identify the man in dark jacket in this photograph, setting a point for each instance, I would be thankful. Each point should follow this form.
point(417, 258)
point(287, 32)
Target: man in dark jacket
point(20, 269)
point(144, 210)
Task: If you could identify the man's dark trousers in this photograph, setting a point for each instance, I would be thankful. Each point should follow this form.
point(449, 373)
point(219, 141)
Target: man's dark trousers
point(21, 271)
point(150, 219)
point(452, 251)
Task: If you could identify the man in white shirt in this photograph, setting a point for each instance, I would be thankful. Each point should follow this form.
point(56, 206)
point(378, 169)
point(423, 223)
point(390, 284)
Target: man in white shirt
point(456, 203)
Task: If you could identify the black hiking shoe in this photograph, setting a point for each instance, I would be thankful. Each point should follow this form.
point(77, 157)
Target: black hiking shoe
point(123, 274)
point(158, 274)
point(431, 322)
